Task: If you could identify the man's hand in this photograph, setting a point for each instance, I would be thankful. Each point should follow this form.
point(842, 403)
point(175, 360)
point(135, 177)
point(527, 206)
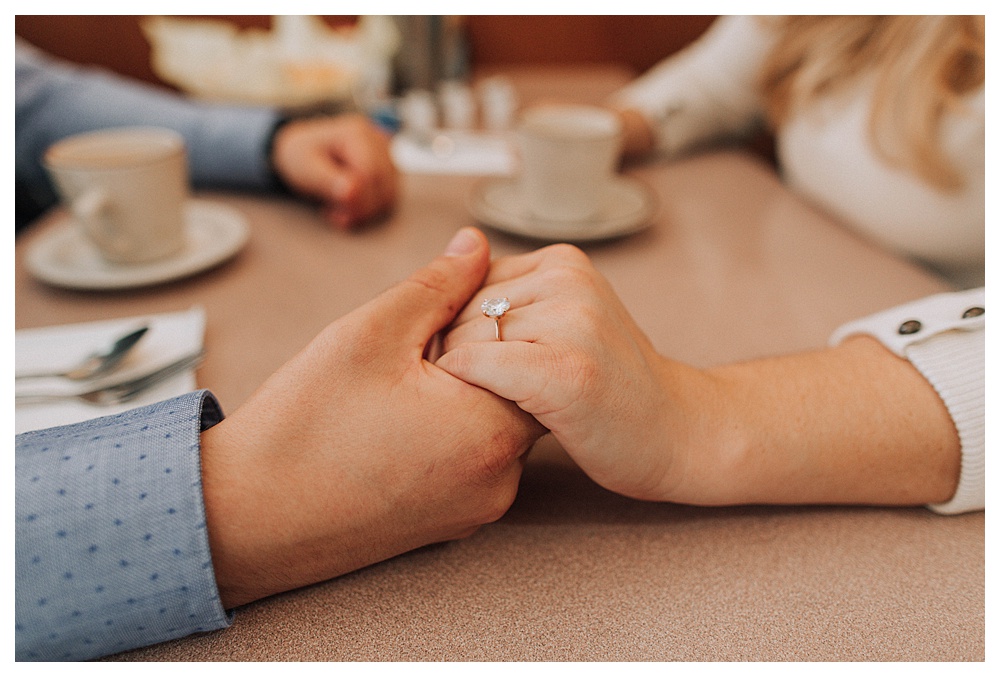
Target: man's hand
point(359, 449)
point(343, 161)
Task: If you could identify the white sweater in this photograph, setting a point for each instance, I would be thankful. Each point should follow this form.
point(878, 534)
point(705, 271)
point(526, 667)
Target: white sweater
point(708, 92)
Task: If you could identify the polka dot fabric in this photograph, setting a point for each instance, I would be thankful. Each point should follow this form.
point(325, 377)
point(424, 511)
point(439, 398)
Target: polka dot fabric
point(111, 544)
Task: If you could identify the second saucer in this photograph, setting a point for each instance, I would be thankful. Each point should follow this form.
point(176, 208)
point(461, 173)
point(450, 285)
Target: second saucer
point(628, 207)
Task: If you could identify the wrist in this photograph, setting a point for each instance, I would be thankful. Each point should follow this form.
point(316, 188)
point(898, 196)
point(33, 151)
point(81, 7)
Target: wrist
point(271, 150)
point(703, 439)
point(228, 508)
point(638, 137)
point(258, 522)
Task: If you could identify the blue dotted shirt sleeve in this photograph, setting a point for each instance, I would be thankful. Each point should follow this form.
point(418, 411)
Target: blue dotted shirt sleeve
point(227, 145)
point(111, 547)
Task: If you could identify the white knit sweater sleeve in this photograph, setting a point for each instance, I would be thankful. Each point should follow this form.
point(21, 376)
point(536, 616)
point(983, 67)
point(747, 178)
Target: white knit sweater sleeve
point(706, 92)
point(944, 337)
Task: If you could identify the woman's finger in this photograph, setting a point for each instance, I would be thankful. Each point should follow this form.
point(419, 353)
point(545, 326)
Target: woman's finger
point(515, 370)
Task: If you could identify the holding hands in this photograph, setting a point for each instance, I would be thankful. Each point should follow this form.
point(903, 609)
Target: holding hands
point(359, 449)
point(852, 424)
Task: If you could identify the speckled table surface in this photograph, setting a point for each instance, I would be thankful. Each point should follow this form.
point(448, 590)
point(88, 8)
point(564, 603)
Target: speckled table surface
point(732, 267)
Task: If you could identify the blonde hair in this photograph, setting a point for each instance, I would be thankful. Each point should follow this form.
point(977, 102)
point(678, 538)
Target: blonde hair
point(922, 66)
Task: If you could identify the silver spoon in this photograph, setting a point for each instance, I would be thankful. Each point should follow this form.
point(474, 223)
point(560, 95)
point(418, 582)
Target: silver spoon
point(123, 391)
point(99, 362)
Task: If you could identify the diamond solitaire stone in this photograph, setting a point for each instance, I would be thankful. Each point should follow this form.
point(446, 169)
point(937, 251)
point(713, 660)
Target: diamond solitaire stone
point(495, 307)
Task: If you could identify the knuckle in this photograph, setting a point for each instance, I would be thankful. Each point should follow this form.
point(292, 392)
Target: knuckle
point(579, 280)
point(492, 498)
point(578, 372)
point(491, 463)
point(496, 508)
point(459, 531)
point(567, 253)
point(495, 500)
point(466, 533)
point(429, 278)
point(457, 359)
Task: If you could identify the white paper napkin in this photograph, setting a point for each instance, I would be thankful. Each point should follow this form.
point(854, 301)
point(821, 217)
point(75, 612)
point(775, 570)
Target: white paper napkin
point(170, 337)
point(453, 152)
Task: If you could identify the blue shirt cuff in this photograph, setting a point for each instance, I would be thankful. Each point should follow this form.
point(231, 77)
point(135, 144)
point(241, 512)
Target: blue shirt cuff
point(112, 549)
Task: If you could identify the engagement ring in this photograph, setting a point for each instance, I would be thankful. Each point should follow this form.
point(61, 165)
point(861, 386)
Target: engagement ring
point(496, 308)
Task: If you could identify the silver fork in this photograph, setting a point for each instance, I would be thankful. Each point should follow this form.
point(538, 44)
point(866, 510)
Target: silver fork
point(122, 391)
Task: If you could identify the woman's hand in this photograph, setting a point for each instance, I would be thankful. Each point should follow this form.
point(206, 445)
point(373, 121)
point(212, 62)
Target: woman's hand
point(573, 357)
point(853, 424)
point(638, 137)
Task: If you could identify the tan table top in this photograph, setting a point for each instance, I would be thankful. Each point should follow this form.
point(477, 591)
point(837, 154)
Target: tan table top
point(733, 267)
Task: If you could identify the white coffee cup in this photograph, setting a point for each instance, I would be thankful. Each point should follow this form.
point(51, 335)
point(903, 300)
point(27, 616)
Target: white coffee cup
point(568, 156)
point(126, 188)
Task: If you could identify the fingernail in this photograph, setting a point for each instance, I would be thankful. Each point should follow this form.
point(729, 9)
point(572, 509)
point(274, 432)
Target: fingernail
point(464, 242)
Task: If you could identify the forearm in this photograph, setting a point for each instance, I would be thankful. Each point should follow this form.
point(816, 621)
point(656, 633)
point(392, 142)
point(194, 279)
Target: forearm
point(853, 424)
point(704, 93)
point(54, 99)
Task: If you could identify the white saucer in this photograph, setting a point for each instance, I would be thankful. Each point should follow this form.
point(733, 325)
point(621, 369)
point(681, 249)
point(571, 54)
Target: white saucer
point(628, 208)
point(65, 257)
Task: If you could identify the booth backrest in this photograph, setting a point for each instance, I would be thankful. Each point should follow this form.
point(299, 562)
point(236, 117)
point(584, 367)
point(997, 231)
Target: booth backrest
point(636, 42)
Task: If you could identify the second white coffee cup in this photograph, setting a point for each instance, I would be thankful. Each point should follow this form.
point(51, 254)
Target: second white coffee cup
point(568, 155)
point(126, 187)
